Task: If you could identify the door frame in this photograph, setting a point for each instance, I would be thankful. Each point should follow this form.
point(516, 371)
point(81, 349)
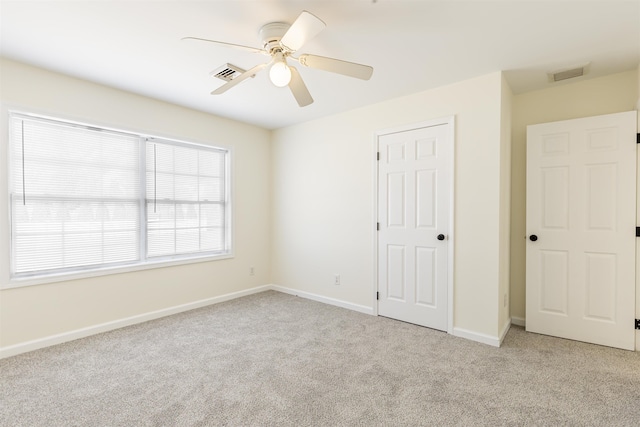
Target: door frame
point(448, 121)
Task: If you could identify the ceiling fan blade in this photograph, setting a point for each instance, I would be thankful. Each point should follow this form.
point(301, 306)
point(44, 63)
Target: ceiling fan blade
point(350, 69)
point(235, 46)
point(305, 27)
point(225, 87)
point(299, 89)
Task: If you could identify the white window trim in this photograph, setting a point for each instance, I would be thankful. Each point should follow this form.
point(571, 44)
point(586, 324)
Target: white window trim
point(9, 282)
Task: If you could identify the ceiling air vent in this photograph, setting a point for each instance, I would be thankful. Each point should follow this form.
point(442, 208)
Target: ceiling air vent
point(227, 72)
point(568, 73)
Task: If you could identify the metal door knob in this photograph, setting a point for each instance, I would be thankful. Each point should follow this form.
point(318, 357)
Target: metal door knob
point(440, 236)
point(533, 237)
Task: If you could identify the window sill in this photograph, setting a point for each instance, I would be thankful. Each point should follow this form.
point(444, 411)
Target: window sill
point(63, 277)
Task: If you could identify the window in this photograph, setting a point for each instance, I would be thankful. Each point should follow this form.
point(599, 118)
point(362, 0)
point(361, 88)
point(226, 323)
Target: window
point(84, 198)
point(185, 199)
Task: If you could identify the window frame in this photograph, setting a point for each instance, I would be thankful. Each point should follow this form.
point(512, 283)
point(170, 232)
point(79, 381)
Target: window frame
point(11, 280)
point(145, 198)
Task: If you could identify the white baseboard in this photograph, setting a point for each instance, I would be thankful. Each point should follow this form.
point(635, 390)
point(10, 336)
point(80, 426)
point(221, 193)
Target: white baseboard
point(120, 323)
point(27, 346)
point(518, 321)
point(505, 329)
point(459, 332)
point(484, 338)
point(326, 300)
point(476, 336)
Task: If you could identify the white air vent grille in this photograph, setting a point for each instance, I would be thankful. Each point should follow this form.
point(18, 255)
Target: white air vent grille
point(227, 72)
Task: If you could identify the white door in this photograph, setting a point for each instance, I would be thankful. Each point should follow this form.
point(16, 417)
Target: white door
point(581, 210)
point(413, 215)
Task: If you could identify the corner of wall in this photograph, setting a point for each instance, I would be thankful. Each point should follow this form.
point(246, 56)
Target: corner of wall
point(505, 204)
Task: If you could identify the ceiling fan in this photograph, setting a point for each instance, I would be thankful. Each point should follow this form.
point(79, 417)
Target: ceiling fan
point(280, 41)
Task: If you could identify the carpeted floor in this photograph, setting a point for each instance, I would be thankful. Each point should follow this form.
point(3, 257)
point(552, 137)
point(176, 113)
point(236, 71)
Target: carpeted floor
point(273, 359)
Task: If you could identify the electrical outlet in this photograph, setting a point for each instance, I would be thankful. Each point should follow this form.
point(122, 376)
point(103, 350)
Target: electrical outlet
point(252, 271)
point(337, 279)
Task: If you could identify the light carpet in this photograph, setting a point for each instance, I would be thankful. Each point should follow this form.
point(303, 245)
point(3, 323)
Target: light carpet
point(273, 359)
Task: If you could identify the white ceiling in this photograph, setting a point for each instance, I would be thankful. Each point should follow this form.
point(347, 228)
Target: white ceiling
point(413, 45)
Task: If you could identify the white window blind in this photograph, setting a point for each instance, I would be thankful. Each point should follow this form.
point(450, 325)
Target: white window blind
point(74, 197)
point(185, 199)
point(78, 199)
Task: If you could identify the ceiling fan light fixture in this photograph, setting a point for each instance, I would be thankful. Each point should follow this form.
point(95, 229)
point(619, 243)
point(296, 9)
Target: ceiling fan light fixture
point(280, 74)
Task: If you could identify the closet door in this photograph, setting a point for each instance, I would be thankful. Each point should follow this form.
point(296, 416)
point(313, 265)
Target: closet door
point(581, 218)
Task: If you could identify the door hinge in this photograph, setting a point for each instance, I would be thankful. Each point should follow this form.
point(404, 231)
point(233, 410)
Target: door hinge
point(378, 226)
point(637, 139)
point(378, 154)
point(378, 297)
point(637, 231)
point(637, 323)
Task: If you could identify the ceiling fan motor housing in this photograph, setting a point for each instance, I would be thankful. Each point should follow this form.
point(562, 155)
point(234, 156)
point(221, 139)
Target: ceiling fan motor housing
point(270, 35)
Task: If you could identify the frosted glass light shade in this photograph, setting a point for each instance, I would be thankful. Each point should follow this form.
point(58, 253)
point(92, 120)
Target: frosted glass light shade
point(280, 74)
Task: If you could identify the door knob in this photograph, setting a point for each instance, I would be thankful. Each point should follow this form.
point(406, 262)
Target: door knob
point(533, 237)
point(440, 236)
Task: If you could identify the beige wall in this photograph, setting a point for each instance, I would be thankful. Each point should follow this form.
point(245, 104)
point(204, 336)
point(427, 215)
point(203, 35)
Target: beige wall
point(35, 312)
point(611, 94)
point(323, 198)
